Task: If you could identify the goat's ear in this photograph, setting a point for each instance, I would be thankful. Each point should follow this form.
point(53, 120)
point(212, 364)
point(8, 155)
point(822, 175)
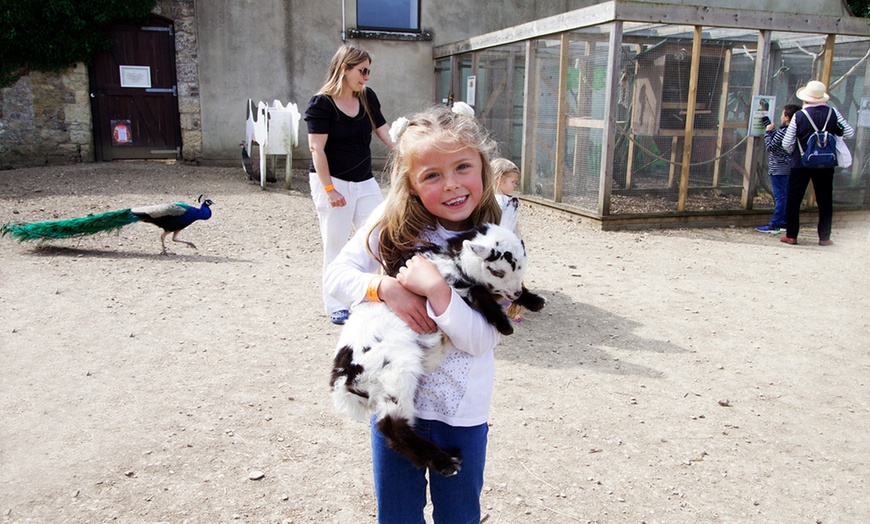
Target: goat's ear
point(510, 214)
point(478, 249)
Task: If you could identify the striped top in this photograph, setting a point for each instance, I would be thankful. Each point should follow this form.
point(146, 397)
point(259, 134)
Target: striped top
point(778, 160)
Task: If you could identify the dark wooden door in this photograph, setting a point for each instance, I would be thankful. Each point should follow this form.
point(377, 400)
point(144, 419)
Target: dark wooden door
point(134, 98)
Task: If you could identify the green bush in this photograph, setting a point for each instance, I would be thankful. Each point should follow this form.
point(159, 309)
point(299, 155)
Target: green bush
point(52, 35)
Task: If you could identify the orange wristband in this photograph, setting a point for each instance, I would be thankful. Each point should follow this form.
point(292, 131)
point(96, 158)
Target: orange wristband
point(372, 289)
point(329, 188)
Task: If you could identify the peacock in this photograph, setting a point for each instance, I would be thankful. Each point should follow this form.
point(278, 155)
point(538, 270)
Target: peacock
point(172, 218)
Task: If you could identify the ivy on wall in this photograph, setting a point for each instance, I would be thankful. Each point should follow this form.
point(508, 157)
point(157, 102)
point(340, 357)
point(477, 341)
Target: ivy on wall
point(52, 35)
point(859, 7)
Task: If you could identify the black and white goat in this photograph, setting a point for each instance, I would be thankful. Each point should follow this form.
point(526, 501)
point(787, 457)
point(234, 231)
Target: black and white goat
point(380, 360)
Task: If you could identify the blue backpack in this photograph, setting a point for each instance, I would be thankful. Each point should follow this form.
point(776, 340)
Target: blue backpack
point(821, 150)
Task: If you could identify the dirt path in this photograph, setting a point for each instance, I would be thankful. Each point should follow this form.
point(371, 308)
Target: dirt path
point(674, 376)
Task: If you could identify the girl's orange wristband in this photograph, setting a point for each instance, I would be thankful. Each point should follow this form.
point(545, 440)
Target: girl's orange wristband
point(372, 289)
point(330, 187)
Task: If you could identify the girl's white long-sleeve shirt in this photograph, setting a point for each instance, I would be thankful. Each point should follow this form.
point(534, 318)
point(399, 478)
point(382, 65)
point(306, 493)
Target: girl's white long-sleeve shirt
point(459, 391)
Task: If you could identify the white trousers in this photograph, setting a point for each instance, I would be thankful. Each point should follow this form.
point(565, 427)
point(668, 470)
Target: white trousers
point(337, 223)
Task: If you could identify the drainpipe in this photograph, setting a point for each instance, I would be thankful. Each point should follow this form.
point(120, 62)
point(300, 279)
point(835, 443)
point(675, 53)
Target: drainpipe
point(343, 24)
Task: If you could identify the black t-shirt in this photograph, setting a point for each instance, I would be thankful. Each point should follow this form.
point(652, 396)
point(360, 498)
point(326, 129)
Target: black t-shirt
point(348, 144)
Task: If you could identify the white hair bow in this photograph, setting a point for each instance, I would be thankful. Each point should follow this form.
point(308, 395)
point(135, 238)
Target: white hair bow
point(397, 128)
point(461, 108)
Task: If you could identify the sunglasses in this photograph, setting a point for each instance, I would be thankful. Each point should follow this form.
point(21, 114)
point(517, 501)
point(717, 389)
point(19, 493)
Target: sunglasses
point(364, 71)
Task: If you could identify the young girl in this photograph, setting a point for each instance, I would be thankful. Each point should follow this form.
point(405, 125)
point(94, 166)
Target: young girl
point(441, 184)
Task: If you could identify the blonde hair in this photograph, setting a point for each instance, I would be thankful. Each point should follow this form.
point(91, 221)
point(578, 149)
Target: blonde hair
point(405, 219)
point(502, 167)
point(346, 58)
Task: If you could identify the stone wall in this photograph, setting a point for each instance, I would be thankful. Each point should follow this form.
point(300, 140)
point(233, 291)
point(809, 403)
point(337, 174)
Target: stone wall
point(45, 118)
point(183, 14)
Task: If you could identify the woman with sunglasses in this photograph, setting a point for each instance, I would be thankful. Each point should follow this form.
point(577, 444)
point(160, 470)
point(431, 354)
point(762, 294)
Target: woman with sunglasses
point(341, 118)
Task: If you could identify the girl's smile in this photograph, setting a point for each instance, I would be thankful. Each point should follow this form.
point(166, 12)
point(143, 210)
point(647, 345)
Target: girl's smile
point(448, 182)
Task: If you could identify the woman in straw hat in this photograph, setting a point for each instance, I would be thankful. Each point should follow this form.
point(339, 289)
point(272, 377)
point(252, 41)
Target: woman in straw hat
point(825, 118)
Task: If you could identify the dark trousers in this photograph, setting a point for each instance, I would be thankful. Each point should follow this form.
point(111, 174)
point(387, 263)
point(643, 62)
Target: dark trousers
point(823, 185)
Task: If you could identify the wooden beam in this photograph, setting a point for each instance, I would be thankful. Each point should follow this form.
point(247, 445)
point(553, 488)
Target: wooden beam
point(690, 120)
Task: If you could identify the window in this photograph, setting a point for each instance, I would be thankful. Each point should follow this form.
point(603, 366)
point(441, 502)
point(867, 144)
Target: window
point(388, 15)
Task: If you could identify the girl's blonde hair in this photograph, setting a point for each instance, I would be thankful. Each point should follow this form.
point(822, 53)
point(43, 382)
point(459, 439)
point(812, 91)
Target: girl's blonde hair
point(502, 167)
point(405, 219)
point(346, 58)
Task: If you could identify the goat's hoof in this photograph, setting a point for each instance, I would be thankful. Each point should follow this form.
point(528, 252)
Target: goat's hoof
point(450, 469)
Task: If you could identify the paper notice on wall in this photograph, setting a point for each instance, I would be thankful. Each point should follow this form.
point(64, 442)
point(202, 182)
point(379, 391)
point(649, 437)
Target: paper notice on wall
point(471, 84)
point(762, 114)
point(122, 134)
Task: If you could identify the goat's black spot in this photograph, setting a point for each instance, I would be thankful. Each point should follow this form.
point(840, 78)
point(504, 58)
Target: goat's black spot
point(344, 366)
point(498, 273)
point(509, 257)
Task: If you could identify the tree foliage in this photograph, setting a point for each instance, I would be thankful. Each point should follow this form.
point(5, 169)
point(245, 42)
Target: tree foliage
point(859, 7)
point(52, 35)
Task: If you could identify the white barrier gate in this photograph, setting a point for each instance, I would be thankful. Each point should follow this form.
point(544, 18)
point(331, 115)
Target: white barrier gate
point(276, 130)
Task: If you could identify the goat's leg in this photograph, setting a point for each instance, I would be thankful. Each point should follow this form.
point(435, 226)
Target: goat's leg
point(531, 301)
point(420, 451)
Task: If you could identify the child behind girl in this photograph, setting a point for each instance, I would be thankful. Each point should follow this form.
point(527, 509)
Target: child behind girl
point(441, 184)
point(506, 175)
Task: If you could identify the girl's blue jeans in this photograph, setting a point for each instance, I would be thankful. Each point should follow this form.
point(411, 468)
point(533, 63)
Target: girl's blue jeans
point(401, 488)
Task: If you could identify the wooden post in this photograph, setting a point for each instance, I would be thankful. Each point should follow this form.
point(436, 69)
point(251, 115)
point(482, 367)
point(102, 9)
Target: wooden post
point(690, 120)
point(759, 85)
point(561, 116)
point(584, 96)
point(611, 99)
point(508, 106)
point(723, 112)
point(629, 164)
point(830, 42)
point(672, 170)
point(530, 118)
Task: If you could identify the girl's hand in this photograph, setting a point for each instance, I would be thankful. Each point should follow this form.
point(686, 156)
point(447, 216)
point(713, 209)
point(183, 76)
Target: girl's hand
point(422, 277)
point(336, 199)
point(407, 305)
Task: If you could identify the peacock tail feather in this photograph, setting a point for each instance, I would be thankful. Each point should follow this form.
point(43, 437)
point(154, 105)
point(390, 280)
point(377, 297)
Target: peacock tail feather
point(73, 227)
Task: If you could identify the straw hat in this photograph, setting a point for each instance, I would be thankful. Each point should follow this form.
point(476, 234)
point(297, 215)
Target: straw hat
point(813, 92)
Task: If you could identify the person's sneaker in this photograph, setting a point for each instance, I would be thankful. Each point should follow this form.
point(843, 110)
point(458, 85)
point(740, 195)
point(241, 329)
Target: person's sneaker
point(768, 229)
point(339, 317)
point(826, 242)
point(788, 240)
